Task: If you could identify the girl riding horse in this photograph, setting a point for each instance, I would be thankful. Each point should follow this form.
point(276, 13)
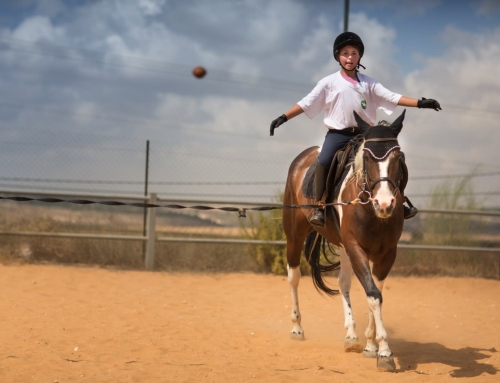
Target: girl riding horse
point(338, 95)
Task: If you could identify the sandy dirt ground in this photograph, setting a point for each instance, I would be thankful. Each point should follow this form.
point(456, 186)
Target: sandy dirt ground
point(80, 324)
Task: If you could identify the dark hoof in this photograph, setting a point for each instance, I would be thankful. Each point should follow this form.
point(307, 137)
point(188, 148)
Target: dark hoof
point(386, 363)
point(352, 345)
point(370, 354)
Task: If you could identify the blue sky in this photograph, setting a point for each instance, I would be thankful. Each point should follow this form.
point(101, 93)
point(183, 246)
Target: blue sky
point(88, 82)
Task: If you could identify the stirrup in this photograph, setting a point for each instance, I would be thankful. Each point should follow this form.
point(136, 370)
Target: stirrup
point(411, 211)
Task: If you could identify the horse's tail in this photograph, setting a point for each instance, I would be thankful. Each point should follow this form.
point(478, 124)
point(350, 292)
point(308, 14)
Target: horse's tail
point(313, 246)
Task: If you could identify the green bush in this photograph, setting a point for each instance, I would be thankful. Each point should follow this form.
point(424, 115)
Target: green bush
point(268, 227)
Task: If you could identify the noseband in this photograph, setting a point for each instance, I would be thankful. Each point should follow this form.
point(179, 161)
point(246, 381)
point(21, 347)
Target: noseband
point(367, 185)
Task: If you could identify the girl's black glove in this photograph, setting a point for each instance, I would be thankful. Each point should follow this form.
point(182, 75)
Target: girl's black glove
point(429, 103)
point(279, 121)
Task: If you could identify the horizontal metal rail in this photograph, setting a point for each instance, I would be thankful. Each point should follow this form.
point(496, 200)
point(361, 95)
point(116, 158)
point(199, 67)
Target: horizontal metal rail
point(283, 243)
point(73, 195)
point(226, 241)
point(450, 248)
point(464, 212)
point(74, 235)
point(222, 241)
point(214, 202)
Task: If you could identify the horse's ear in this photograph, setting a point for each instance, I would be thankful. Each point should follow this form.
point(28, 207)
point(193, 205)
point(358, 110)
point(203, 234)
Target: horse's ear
point(362, 124)
point(397, 125)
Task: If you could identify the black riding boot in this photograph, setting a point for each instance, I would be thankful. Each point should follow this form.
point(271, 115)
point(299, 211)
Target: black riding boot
point(411, 211)
point(318, 218)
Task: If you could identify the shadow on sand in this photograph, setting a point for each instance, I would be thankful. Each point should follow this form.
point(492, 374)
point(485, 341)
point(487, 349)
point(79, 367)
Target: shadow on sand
point(412, 355)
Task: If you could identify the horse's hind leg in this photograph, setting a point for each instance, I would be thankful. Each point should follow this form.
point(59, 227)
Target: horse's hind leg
point(296, 230)
point(351, 341)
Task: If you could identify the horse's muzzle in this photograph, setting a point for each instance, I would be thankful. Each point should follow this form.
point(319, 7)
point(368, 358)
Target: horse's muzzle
point(384, 209)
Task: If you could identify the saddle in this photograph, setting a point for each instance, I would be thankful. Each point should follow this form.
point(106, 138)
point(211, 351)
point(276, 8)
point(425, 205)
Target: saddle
point(339, 168)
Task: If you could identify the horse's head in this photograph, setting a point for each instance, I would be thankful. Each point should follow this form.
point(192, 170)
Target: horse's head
point(377, 163)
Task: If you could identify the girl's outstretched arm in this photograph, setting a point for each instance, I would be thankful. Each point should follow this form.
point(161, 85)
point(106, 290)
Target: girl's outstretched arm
point(407, 101)
point(293, 112)
point(425, 103)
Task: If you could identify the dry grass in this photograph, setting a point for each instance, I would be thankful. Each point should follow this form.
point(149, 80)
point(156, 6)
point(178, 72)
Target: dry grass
point(32, 217)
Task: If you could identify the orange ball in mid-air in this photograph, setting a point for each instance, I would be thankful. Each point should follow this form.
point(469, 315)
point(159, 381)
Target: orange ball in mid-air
point(199, 72)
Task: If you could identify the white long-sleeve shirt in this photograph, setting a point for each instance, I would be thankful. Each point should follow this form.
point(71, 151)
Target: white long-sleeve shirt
point(338, 97)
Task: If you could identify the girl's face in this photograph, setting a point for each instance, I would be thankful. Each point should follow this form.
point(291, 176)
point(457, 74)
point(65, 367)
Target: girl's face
point(349, 57)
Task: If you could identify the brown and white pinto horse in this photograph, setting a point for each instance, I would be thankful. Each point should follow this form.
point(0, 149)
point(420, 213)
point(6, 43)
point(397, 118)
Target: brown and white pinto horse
point(369, 231)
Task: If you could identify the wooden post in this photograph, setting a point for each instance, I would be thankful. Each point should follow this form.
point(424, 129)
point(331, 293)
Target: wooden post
point(145, 195)
point(151, 234)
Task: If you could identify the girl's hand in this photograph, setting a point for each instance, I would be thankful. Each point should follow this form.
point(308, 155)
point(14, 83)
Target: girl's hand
point(279, 121)
point(429, 103)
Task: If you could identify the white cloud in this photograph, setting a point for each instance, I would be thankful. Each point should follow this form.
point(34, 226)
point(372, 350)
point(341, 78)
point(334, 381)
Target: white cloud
point(50, 8)
point(466, 75)
point(152, 7)
point(404, 8)
point(486, 7)
point(38, 28)
point(380, 50)
point(279, 39)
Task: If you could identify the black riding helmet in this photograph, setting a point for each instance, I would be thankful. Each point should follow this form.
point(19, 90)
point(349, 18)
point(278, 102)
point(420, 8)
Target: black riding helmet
point(348, 38)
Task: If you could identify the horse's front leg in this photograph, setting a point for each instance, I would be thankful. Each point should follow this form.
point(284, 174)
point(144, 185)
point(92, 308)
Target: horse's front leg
point(371, 348)
point(345, 276)
point(297, 332)
point(373, 292)
point(296, 229)
point(379, 273)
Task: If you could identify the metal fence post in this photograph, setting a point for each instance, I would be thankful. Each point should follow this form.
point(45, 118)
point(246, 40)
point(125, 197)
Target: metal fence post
point(151, 234)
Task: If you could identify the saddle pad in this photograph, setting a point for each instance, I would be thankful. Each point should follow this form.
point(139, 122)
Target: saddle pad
point(308, 188)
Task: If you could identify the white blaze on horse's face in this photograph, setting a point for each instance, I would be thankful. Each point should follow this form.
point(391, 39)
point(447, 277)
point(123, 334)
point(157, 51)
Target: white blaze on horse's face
point(384, 200)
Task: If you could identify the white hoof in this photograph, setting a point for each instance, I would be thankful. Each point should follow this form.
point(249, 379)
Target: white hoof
point(386, 363)
point(297, 335)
